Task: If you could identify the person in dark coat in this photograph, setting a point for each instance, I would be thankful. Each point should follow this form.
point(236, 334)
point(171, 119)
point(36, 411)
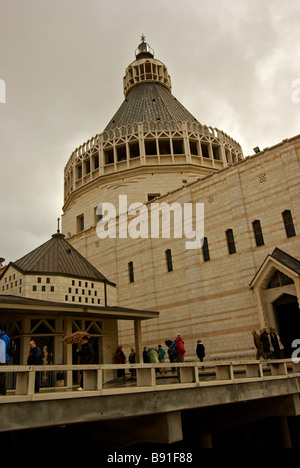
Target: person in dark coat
point(200, 351)
point(132, 358)
point(120, 358)
point(145, 355)
point(35, 358)
point(86, 354)
point(264, 338)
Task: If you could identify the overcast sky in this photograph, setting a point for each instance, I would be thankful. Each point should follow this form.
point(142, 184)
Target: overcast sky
point(232, 64)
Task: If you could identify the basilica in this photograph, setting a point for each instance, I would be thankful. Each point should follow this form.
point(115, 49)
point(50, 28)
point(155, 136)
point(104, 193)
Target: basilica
point(244, 276)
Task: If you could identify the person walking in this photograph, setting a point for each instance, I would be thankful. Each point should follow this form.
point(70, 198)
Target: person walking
point(35, 359)
point(120, 358)
point(145, 355)
point(161, 358)
point(132, 358)
point(180, 352)
point(200, 351)
point(276, 347)
point(258, 345)
point(86, 355)
point(180, 348)
point(168, 343)
point(264, 338)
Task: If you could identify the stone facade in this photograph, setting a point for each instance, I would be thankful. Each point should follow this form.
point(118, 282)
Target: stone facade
point(201, 293)
point(209, 299)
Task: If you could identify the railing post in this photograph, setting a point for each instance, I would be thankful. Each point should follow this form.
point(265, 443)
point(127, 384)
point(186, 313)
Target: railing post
point(90, 380)
point(25, 382)
point(145, 377)
point(224, 372)
point(278, 368)
point(253, 370)
point(187, 374)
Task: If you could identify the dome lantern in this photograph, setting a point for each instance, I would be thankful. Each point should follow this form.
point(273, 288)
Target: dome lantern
point(144, 50)
point(145, 69)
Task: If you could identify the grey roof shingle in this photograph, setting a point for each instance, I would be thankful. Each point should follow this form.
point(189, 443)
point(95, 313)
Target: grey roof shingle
point(290, 262)
point(58, 257)
point(149, 102)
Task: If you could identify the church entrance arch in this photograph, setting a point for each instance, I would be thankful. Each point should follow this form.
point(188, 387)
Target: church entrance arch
point(287, 315)
point(276, 289)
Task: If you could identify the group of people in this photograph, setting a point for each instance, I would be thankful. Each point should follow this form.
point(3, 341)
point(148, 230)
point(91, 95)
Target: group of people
point(268, 345)
point(158, 355)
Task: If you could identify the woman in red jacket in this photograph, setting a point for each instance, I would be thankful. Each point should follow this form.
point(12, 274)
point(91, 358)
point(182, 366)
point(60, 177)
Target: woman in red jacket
point(180, 348)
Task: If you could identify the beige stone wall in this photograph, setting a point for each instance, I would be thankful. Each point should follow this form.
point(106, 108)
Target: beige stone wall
point(208, 300)
point(137, 186)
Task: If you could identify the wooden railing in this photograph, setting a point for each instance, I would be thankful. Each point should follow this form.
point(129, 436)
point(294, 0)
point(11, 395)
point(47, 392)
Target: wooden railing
point(102, 379)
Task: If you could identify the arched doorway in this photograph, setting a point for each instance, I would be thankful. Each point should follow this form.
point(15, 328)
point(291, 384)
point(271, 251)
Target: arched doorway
point(287, 314)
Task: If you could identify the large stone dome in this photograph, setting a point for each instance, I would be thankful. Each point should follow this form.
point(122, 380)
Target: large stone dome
point(151, 133)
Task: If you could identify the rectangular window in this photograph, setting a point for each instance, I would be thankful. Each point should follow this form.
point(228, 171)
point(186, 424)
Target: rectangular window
point(150, 147)
point(194, 148)
point(216, 152)
point(230, 242)
point(164, 146)
point(78, 172)
point(205, 150)
point(259, 238)
point(121, 153)
point(80, 223)
point(134, 150)
point(205, 250)
point(169, 260)
point(95, 161)
point(109, 156)
point(131, 272)
point(177, 146)
point(288, 223)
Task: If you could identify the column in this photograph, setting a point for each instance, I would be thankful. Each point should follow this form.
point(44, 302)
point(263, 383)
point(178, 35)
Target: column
point(138, 341)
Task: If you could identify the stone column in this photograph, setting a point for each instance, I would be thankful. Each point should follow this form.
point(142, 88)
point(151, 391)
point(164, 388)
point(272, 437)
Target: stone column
point(138, 341)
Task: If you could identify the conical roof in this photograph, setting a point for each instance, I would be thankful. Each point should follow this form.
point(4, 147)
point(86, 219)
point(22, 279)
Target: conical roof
point(147, 90)
point(57, 257)
point(152, 102)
